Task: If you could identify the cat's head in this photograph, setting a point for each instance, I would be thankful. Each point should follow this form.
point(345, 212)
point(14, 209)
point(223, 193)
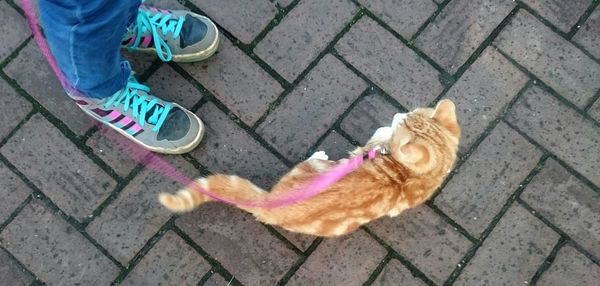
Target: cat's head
point(426, 139)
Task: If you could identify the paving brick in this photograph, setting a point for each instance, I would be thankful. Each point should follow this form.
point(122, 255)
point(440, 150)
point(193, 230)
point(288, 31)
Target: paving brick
point(293, 44)
point(390, 64)
point(563, 14)
point(241, 244)
point(171, 86)
point(237, 81)
point(13, 192)
point(370, 113)
point(13, 109)
point(54, 251)
point(170, 262)
point(284, 3)
point(348, 260)
point(560, 129)
point(244, 19)
point(13, 28)
point(33, 74)
point(125, 226)
point(113, 152)
point(594, 111)
point(566, 202)
point(11, 273)
point(407, 233)
point(63, 173)
point(487, 179)
point(336, 146)
point(311, 108)
point(140, 62)
point(404, 16)
point(229, 149)
point(512, 253)
point(587, 36)
point(395, 273)
point(571, 268)
point(557, 62)
point(483, 92)
point(216, 280)
point(302, 241)
point(460, 29)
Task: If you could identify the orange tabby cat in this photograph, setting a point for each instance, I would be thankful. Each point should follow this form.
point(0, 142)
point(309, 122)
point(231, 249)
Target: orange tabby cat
point(422, 147)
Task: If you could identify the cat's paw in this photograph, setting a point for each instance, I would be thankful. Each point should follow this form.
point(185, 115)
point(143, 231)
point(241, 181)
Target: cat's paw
point(321, 155)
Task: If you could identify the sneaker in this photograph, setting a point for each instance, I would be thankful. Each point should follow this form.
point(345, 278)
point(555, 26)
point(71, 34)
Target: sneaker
point(180, 36)
point(159, 126)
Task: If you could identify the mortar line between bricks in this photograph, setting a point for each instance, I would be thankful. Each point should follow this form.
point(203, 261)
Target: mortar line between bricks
point(373, 86)
point(216, 265)
point(486, 132)
point(551, 91)
point(113, 195)
point(243, 47)
point(548, 261)
point(206, 277)
point(20, 265)
point(16, 212)
point(208, 96)
point(555, 30)
point(337, 122)
point(584, 17)
point(487, 42)
point(288, 244)
point(16, 7)
point(492, 225)
point(593, 100)
point(373, 276)
point(330, 47)
point(566, 166)
point(282, 12)
point(63, 129)
point(290, 273)
point(547, 23)
point(12, 132)
point(15, 53)
point(556, 229)
point(451, 222)
point(396, 255)
point(440, 8)
point(49, 204)
point(410, 45)
point(346, 136)
point(150, 243)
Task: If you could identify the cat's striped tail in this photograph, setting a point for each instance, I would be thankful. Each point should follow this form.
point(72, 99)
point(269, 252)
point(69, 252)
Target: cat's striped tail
point(229, 187)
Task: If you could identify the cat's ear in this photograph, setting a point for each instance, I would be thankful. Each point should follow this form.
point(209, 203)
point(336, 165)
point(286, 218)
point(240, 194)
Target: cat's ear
point(409, 152)
point(445, 115)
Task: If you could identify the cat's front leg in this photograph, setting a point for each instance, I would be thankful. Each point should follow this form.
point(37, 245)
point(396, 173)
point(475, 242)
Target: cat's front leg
point(320, 155)
point(380, 138)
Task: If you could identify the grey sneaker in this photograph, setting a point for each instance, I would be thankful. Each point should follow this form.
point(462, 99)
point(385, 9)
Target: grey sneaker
point(180, 36)
point(159, 126)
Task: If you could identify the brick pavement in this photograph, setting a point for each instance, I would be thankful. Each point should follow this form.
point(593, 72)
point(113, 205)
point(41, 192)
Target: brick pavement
point(293, 76)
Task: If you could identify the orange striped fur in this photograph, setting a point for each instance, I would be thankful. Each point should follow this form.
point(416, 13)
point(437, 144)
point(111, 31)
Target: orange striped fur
point(422, 148)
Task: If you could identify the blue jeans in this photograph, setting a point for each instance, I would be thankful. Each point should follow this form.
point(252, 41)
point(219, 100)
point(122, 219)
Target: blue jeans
point(85, 38)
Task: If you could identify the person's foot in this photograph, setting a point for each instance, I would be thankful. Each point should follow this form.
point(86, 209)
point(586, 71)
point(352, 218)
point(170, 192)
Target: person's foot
point(180, 36)
point(159, 126)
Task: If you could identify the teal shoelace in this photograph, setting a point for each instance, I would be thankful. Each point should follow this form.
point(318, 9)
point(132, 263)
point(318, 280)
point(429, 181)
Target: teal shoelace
point(135, 96)
point(159, 21)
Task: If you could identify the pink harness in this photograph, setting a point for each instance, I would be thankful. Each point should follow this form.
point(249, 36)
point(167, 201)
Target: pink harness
point(318, 185)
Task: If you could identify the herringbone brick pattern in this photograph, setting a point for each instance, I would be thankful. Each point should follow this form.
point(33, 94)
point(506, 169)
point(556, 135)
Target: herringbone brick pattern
point(295, 76)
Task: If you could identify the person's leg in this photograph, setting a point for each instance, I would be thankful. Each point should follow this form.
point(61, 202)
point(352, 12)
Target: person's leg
point(85, 39)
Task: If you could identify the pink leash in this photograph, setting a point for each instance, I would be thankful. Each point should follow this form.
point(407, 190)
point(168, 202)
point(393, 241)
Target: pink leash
point(318, 185)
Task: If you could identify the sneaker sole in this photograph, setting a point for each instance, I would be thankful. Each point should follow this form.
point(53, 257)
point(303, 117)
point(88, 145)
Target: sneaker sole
point(174, 151)
point(193, 57)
